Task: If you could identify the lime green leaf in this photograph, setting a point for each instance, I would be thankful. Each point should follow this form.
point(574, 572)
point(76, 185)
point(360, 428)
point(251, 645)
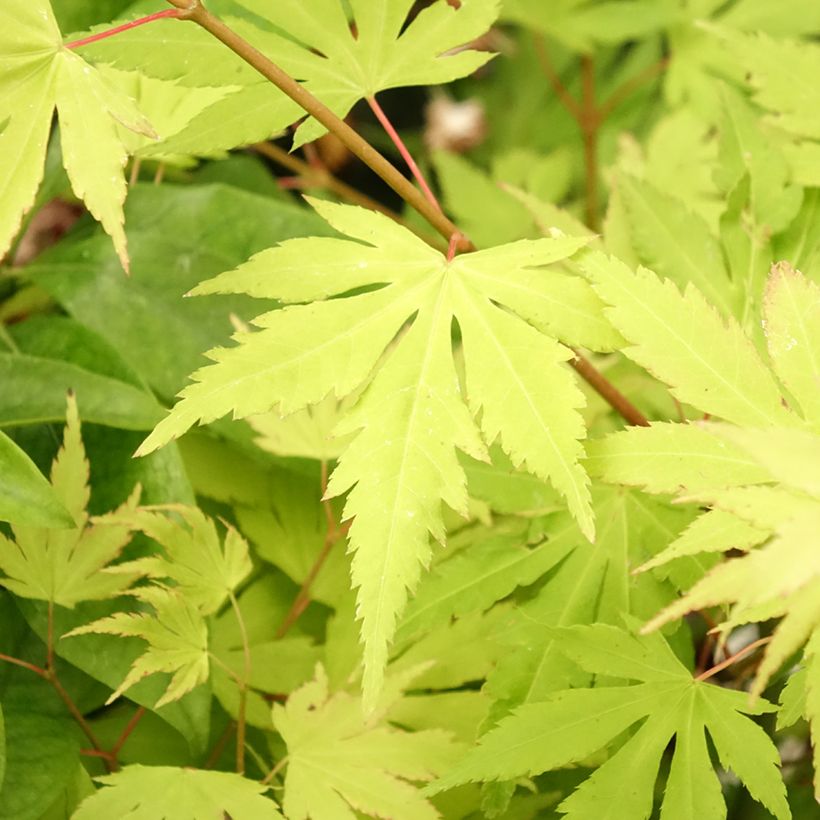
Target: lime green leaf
point(781, 567)
point(791, 456)
point(590, 582)
point(475, 578)
point(411, 417)
point(746, 149)
point(66, 566)
point(714, 531)
point(338, 762)
point(513, 379)
point(683, 341)
point(25, 495)
point(39, 74)
point(780, 72)
point(307, 433)
point(675, 242)
point(570, 725)
point(203, 571)
point(669, 458)
point(184, 794)
point(580, 24)
point(314, 42)
point(177, 638)
point(792, 308)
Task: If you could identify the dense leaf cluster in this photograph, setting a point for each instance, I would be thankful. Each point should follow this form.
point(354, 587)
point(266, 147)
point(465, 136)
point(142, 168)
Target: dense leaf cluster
point(522, 527)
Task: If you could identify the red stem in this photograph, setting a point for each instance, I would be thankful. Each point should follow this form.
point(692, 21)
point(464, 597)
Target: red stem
point(141, 21)
point(405, 154)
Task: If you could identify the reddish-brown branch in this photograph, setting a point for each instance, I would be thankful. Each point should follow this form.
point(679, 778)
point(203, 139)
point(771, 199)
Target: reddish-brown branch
point(138, 715)
point(607, 391)
point(402, 149)
point(733, 659)
point(104, 35)
point(334, 534)
point(626, 89)
point(590, 123)
point(40, 672)
point(561, 91)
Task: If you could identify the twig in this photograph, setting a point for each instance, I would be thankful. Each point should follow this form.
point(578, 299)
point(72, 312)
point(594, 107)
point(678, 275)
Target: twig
point(219, 746)
point(274, 771)
point(194, 10)
point(25, 665)
point(629, 87)
point(590, 123)
point(561, 91)
point(104, 35)
point(320, 177)
point(138, 715)
point(334, 534)
point(243, 688)
point(402, 149)
point(732, 659)
point(608, 392)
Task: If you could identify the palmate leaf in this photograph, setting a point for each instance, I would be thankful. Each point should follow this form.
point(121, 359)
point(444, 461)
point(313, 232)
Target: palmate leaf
point(570, 725)
point(67, 566)
point(313, 41)
point(412, 418)
point(338, 762)
point(177, 638)
point(204, 571)
point(39, 74)
point(166, 792)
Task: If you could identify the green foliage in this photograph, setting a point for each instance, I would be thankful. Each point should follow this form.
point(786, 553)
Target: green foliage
point(601, 401)
point(164, 792)
point(39, 75)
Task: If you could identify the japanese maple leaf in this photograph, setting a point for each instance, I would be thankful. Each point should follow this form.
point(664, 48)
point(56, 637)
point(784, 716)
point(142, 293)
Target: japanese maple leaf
point(38, 74)
point(338, 761)
point(339, 61)
point(396, 339)
point(664, 703)
point(66, 566)
point(165, 792)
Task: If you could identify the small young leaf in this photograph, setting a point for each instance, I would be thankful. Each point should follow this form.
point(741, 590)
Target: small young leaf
point(792, 308)
point(683, 341)
point(337, 762)
point(177, 638)
point(204, 572)
point(185, 794)
point(66, 566)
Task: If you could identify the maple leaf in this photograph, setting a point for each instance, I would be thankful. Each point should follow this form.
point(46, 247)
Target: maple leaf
point(570, 725)
point(338, 761)
point(177, 638)
point(166, 792)
point(313, 41)
point(411, 418)
point(66, 566)
point(39, 74)
point(205, 573)
point(25, 495)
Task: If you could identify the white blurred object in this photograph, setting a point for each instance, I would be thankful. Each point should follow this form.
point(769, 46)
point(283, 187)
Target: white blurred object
point(454, 126)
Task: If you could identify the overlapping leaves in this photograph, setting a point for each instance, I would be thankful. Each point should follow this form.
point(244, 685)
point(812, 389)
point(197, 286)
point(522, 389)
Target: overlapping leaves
point(412, 418)
point(571, 725)
point(38, 75)
point(759, 475)
point(67, 566)
point(338, 761)
point(201, 574)
point(314, 42)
